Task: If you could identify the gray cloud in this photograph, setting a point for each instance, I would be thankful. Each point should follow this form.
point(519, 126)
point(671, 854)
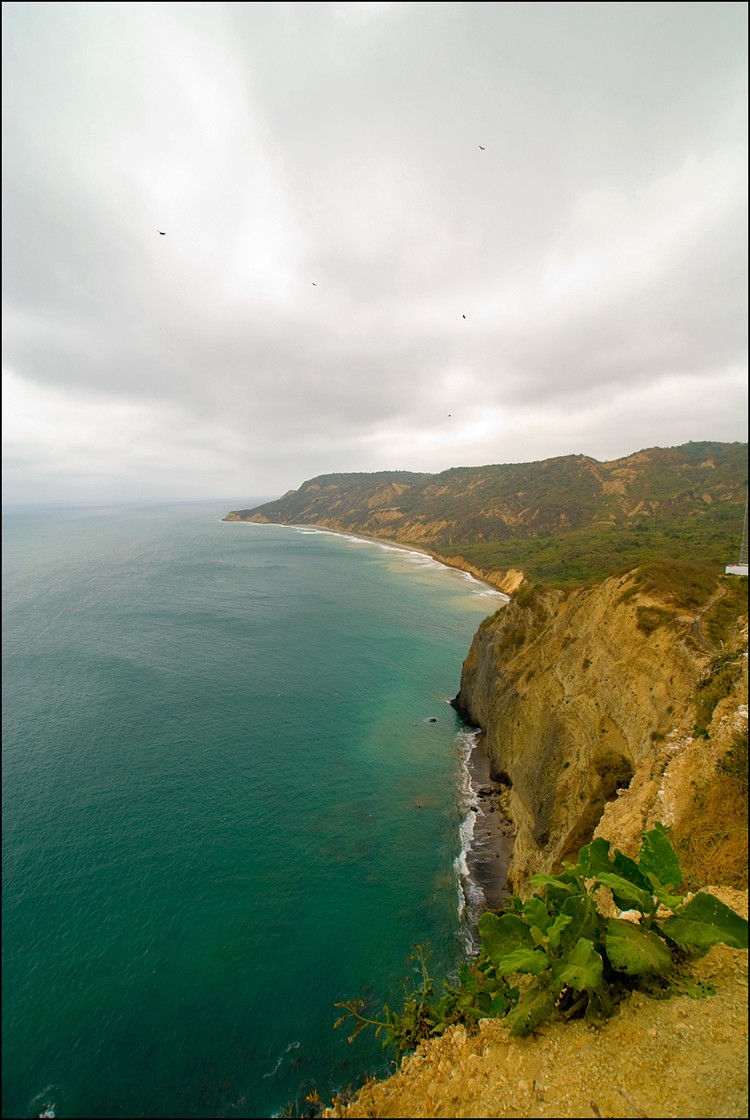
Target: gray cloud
point(330, 219)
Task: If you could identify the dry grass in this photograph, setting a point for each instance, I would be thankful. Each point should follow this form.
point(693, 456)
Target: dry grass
point(712, 844)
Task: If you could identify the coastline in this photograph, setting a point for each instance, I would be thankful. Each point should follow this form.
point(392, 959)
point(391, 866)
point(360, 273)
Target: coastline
point(456, 565)
point(487, 836)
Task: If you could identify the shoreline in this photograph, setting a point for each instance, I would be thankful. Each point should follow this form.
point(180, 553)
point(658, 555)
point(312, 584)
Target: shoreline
point(487, 838)
point(385, 542)
point(494, 834)
point(487, 835)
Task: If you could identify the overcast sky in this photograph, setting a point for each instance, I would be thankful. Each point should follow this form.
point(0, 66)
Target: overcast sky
point(397, 236)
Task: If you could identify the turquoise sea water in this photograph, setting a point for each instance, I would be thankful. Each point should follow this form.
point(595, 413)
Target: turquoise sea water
point(225, 806)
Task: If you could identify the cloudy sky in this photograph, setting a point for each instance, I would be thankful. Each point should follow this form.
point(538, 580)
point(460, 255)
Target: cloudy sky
point(397, 236)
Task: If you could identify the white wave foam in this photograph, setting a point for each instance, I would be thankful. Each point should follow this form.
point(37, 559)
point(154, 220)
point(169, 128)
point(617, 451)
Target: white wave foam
point(471, 897)
point(419, 559)
point(46, 1101)
point(290, 1047)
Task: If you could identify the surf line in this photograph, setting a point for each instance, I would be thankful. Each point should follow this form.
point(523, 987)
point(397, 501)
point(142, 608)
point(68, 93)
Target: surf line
point(291, 1046)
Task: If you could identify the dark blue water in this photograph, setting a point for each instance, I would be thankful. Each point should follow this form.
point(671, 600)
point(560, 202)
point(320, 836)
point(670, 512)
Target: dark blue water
point(225, 808)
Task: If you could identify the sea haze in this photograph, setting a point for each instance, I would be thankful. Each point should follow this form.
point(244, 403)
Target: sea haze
point(227, 805)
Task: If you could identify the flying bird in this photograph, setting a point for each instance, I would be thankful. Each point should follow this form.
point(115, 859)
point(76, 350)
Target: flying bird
point(163, 232)
point(463, 316)
point(481, 149)
point(314, 284)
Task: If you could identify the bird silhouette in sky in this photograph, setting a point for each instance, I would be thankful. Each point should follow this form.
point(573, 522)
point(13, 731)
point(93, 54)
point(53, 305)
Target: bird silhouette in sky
point(481, 149)
point(163, 232)
point(463, 316)
point(314, 284)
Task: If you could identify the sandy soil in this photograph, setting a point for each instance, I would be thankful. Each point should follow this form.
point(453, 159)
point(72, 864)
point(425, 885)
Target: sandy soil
point(667, 1058)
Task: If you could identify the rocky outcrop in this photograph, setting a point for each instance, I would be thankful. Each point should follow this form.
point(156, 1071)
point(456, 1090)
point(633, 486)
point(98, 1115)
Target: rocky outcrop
point(505, 581)
point(587, 702)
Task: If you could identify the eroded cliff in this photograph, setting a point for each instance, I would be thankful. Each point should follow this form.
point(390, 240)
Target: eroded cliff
point(592, 704)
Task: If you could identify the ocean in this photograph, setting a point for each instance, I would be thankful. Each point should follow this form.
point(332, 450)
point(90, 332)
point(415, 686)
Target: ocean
point(234, 794)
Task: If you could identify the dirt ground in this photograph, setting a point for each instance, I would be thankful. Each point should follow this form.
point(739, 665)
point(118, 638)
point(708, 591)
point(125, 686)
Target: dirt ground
point(654, 1058)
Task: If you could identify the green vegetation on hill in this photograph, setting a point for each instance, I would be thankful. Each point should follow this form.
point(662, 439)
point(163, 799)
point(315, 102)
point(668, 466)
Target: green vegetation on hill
point(590, 554)
point(568, 520)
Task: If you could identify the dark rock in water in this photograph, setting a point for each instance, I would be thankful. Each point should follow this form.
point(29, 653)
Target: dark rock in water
point(432, 719)
point(463, 712)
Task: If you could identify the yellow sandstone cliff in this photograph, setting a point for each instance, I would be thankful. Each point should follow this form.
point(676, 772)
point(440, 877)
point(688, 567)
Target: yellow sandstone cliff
point(589, 701)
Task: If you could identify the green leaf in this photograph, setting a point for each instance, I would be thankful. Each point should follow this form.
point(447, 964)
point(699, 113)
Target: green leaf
point(521, 960)
point(657, 857)
point(581, 969)
point(625, 892)
point(628, 869)
point(543, 881)
point(696, 989)
point(535, 1006)
point(672, 901)
point(507, 941)
point(584, 919)
point(466, 977)
point(502, 934)
point(557, 887)
point(536, 913)
point(634, 950)
point(595, 857)
point(706, 921)
point(562, 921)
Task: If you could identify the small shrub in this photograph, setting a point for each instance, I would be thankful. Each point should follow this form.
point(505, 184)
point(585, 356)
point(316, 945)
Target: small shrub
point(721, 620)
point(512, 637)
point(716, 685)
point(685, 585)
point(734, 762)
point(649, 618)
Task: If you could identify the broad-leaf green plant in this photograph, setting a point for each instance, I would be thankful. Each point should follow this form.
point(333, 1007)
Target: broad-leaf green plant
point(577, 960)
point(564, 954)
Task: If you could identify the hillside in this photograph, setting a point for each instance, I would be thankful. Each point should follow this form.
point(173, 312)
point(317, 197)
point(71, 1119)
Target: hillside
point(568, 520)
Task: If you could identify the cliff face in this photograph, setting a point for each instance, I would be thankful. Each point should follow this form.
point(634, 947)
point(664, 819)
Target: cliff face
point(588, 704)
